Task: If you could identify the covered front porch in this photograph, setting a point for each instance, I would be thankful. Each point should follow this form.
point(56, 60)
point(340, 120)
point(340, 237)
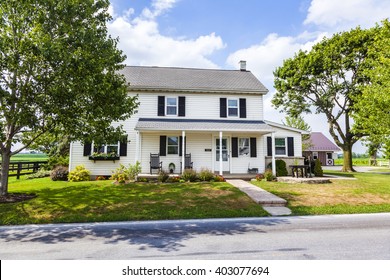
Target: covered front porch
point(228, 148)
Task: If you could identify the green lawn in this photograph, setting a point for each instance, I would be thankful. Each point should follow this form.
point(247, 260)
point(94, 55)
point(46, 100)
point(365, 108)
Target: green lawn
point(369, 193)
point(29, 157)
point(98, 201)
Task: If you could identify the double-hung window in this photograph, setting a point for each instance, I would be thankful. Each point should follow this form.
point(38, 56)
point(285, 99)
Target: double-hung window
point(171, 106)
point(173, 145)
point(106, 149)
point(232, 107)
point(280, 147)
point(243, 146)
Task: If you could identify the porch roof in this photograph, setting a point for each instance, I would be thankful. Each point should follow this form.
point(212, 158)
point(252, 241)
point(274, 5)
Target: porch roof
point(152, 124)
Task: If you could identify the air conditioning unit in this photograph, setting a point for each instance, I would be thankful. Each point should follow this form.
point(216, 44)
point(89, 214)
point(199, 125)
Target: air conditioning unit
point(329, 162)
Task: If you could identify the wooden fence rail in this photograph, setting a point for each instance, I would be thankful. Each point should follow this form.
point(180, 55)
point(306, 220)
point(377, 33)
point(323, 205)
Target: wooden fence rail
point(30, 166)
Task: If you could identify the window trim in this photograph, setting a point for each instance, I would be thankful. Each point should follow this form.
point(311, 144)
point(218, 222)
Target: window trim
point(178, 145)
point(235, 107)
point(105, 147)
point(285, 147)
point(176, 106)
point(239, 146)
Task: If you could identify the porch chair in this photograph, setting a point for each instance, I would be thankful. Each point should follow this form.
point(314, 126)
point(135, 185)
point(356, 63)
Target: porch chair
point(155, 162)
point(187, 162)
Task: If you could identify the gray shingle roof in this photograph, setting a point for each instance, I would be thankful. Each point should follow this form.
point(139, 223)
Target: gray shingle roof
point(202, 125)
point(191, 79)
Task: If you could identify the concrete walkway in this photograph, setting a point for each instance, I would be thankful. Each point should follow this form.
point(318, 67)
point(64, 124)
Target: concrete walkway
point(270, 202)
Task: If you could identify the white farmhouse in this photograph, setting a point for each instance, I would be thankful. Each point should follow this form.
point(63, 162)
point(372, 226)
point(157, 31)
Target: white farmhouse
point(214, 116)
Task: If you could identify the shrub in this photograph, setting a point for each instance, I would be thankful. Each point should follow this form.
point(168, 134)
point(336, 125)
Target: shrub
point(268, 175)
point(55, 161)
point(318, 172)
point(189, 175)
point(79, 174)
point(219, 178)
point(281, 168)
point(162, 176)
point(260, 177)
point(205, 175)
point(120, 175)
point(174, 179)
point(101, 178)
point(134, 170)
point(60, 173)
point(143, 180)
point(40, 174)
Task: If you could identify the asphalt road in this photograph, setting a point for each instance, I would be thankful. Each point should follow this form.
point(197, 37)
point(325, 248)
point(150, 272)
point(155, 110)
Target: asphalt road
point(349, 237)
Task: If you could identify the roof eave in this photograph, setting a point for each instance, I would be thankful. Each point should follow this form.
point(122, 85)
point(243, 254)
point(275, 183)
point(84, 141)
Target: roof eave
point(197, 90)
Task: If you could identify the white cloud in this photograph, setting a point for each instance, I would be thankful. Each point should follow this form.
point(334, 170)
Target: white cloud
point(142, 42)
point(336, 15)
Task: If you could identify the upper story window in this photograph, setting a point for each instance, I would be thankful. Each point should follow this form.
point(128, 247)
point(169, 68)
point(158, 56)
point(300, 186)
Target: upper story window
point(171, 106)
point(232, 107)
point(280, 147)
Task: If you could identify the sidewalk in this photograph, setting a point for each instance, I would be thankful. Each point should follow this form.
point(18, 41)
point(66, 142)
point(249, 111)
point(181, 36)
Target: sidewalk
point(270, 202)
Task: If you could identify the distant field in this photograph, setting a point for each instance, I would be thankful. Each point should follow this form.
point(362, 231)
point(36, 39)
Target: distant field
point(355, 161)
point(29, 157)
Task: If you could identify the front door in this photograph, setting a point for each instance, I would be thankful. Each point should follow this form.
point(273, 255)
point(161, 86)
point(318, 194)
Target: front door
point(225, 155)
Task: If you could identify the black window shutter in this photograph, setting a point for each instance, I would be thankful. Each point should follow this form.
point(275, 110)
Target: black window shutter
point(253, 147)
point(87, 149)
point(163, 145)
point(123, 147)
point(234, 147)
point(182, 106)
point(290, 146)
point(161, 106)
point(242, 108)
point(269, 146)
point(222, 108)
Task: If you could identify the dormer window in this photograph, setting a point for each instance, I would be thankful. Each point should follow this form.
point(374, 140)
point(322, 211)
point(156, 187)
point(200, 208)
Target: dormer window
point(171, 108)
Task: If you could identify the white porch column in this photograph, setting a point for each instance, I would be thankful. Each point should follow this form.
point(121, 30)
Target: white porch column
point(183, 135)
point(273, 154)
point(220, 154)
point(137, 145)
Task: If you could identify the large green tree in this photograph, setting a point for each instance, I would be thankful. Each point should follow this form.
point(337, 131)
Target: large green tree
point(327, 80)
point(372, 114)
point(58, 72)
point(299, 122)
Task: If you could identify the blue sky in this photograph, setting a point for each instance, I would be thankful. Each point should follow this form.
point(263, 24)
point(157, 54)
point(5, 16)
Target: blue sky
point(219, 33)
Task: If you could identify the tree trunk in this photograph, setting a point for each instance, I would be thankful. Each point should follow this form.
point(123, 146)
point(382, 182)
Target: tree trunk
point(5, 160)
point(347, 165)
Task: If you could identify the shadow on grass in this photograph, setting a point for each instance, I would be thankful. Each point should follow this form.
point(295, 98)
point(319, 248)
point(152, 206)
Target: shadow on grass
point(166, 236)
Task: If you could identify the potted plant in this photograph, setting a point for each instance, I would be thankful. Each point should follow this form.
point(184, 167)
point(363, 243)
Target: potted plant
point(171, 167)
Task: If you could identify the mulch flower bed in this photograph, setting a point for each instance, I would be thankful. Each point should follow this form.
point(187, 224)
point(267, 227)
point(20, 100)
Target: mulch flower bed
point(16, 197)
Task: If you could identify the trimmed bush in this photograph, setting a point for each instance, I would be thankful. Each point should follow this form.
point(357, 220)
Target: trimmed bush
point(281, 167)
point(205, 175)
point(268, 175)
point(189, 175)
point(219, 178)
point(79, 174)
point(120, 174)
point(318, 172)
point(60, 173)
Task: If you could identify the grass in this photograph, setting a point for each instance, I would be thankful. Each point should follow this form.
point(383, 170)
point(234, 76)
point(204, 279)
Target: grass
point(29, 157)
point(369, 193)
point(97, 201)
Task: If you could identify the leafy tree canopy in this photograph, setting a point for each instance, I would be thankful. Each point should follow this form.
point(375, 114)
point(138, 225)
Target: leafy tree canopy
point(327, 80)
point(58, 72)
point(372, 114)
